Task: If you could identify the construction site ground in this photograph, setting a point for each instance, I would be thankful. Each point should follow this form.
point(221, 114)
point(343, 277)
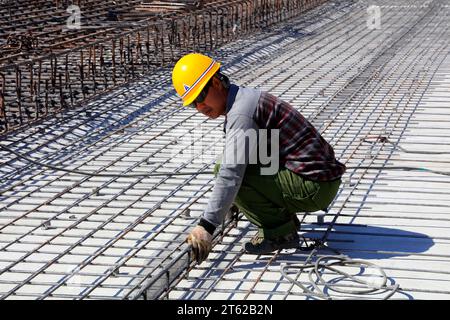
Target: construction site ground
point(376, 95)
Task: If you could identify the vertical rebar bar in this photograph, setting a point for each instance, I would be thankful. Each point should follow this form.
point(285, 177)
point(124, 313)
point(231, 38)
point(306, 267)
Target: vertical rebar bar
point(4, 126)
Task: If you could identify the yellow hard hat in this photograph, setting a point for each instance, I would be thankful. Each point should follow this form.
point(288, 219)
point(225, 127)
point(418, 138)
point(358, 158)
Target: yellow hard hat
point(190, 75)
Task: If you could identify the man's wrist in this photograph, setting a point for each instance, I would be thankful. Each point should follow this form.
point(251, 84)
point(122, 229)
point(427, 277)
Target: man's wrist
point(209, 227)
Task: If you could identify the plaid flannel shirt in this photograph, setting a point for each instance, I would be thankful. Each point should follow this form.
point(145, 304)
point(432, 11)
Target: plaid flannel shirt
point(302, 149)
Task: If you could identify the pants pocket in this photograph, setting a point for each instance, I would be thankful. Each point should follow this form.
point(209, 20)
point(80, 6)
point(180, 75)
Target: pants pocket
point(296, 203)
point(298, 192)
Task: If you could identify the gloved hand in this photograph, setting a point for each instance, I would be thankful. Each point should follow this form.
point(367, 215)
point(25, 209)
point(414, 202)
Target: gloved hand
point(200, 240)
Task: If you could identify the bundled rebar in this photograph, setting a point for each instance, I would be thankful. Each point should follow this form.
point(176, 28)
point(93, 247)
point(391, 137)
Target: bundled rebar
point(47, 71)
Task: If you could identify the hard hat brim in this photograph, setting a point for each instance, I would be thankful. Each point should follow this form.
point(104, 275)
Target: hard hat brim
point(195, 92)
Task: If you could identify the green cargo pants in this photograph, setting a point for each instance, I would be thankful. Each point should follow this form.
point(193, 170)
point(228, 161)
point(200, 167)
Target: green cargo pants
point(272, 201)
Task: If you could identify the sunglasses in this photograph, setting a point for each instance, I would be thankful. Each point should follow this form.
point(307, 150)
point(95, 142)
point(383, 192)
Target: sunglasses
point(202, 95)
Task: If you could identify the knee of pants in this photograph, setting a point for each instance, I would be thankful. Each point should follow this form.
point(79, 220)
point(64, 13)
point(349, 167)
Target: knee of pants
point(327, 193)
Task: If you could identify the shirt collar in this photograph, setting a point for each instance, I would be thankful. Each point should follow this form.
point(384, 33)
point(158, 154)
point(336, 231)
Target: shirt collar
point(232, 92)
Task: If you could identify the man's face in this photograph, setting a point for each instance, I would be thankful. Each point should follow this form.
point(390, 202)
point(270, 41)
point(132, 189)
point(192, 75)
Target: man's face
point(214, 104)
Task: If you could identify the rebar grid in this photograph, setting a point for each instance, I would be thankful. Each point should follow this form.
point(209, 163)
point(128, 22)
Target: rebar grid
point(102, 246)
point(380, 107)
point(34, 84)
point(45, 222)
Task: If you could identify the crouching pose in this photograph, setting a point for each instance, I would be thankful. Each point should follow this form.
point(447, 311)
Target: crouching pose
point(302, 174)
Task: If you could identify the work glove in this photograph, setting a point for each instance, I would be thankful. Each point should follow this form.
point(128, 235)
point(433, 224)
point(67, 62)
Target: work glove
point(200, 240)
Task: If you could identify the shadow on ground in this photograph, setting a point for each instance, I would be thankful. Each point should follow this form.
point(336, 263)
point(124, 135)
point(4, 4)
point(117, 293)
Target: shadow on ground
point(372, 242)
point(354, 241)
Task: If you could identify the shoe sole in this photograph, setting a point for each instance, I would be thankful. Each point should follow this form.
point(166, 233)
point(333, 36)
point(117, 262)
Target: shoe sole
point(291, 245)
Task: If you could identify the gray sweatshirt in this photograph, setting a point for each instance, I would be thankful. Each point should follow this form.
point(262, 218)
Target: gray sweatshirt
point(241, 106)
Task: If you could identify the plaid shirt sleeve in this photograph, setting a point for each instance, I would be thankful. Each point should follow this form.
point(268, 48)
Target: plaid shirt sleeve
point(302, 149)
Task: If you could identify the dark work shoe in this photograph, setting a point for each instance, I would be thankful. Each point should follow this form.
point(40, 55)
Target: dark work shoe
point(259, 245)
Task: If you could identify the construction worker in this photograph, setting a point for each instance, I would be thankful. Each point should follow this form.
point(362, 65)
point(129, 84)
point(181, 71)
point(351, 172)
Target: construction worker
point(308, 176)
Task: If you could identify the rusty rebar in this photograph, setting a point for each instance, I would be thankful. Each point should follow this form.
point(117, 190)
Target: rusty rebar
point(166, 40)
